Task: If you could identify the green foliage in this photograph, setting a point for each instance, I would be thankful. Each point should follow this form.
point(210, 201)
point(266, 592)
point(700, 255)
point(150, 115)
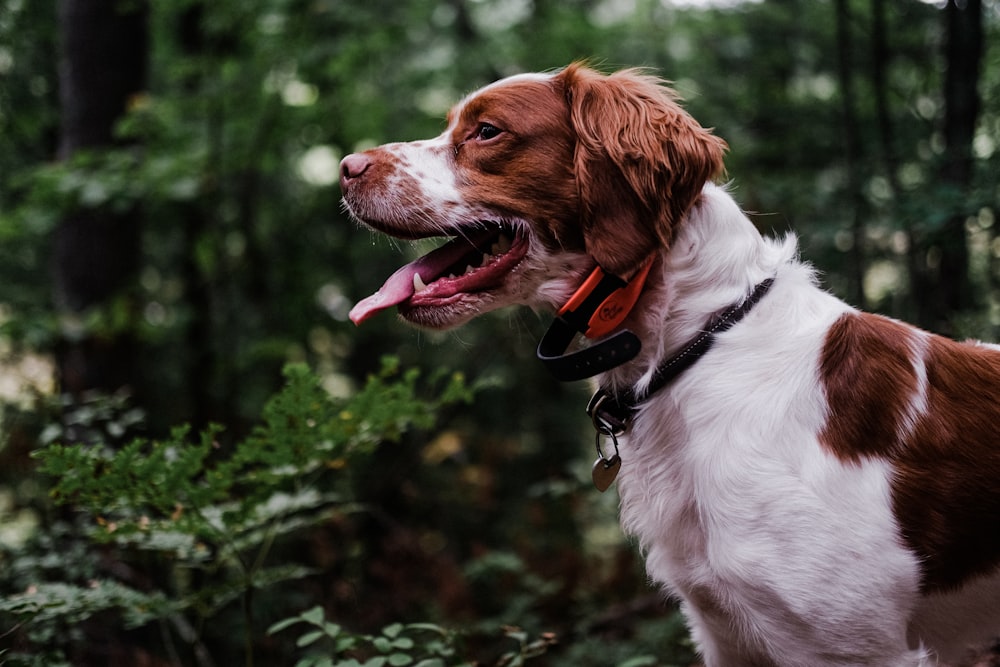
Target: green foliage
point(662, 642)
point(220, 510)
point(399, 645)
point(44, 605)
point(179, 484)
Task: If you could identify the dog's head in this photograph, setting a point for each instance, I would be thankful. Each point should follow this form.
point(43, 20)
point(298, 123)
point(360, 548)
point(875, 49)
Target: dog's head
point(537, 178)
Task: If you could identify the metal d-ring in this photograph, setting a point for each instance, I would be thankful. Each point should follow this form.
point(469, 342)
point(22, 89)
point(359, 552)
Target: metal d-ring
point(603, 427)
point(601, 424)
point(600, 452)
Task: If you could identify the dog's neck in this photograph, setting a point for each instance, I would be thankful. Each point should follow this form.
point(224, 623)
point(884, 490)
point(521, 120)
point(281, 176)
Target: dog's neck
point(717, 259)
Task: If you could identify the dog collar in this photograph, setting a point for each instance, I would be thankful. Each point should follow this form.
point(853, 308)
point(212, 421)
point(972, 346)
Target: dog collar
point(612, 411)
point(596, 309)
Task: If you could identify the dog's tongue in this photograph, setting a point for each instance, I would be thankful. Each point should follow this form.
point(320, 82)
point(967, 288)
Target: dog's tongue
point(399, 287)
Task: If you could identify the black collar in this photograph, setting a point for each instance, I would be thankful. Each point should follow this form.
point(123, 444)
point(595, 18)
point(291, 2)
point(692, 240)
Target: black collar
point(612, 411)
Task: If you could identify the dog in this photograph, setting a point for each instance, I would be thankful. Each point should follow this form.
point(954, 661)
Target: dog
point(815, 485)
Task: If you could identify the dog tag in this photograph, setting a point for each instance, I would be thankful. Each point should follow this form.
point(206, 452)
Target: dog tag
point(605, 471)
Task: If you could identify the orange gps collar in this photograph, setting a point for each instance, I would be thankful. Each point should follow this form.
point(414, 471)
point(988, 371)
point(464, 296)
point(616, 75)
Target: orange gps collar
point(610, 312)
point(596, 309)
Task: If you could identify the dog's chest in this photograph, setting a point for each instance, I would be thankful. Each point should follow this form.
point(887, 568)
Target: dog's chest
point(738, 500)
point(721, 462)
point(659, 489)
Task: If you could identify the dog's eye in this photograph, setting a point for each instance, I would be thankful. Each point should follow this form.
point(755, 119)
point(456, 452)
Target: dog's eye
point(485, 132)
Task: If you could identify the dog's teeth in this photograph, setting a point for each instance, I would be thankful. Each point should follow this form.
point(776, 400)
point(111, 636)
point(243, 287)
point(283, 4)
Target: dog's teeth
point(495, 249)
point(484, 260)
point(503, 245)
point(418, 283)
point(469, 269)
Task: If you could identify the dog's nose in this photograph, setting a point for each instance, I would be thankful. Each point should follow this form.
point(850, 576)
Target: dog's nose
point(352, 167)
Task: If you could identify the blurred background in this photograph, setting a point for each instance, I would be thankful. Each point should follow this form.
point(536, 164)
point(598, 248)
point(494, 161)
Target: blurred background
point(171, 238)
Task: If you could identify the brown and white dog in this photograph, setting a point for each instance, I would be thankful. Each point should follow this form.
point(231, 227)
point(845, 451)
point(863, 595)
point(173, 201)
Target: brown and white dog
point(820, 486)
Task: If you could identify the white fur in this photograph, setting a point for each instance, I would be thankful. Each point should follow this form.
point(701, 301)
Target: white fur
point(430, 164)
point(918, 402)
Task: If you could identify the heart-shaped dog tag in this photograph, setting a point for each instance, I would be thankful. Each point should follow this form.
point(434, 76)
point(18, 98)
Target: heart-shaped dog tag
point(605, 471)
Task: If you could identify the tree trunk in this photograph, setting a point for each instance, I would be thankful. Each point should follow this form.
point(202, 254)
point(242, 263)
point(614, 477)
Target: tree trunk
point(946, 284)
point(95, 254)
point(852, 154)
point(202, 360)
point(881, 59)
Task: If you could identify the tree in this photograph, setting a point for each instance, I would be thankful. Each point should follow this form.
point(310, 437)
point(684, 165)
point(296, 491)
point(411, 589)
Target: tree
point(852, 152)
point(943, 277)
point(95, 253)
point(881, 57)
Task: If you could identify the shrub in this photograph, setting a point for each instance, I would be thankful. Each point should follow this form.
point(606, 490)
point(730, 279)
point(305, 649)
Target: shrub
point(195, 521)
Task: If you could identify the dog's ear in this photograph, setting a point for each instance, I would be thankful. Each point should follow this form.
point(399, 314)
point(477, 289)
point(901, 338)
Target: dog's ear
point(640, 162)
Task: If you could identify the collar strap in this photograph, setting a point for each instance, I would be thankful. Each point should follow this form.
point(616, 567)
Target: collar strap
point(614, 410)
point(596, 309)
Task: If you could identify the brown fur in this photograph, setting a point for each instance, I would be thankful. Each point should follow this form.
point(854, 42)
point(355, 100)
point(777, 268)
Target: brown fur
point(947, 461)
point(632, 180)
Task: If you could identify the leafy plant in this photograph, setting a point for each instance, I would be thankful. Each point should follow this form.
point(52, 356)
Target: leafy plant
point(399, 645)
point(218, 510)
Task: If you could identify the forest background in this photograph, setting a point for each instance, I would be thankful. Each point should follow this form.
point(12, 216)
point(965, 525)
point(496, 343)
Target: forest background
point(173, 252)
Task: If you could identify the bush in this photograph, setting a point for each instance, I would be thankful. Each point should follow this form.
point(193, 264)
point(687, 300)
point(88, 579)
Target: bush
point(195, 521)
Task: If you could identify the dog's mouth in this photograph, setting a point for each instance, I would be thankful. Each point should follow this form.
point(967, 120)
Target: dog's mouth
point(477, 260)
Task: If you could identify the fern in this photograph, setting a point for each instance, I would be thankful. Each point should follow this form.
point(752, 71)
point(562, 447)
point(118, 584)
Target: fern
point(220, 509)
point(399, 645)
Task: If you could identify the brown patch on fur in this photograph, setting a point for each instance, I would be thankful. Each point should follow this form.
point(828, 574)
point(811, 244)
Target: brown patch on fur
point(869, 380)
point(640, 160)
point(947, 496)
point(946, 491)
point(607, 164)
point(527, 171)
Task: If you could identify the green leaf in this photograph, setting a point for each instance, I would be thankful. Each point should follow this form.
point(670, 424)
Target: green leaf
point(283, 624)
point(309, 638)
point(345, 642)
point(316, 615)
point(429, 627)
